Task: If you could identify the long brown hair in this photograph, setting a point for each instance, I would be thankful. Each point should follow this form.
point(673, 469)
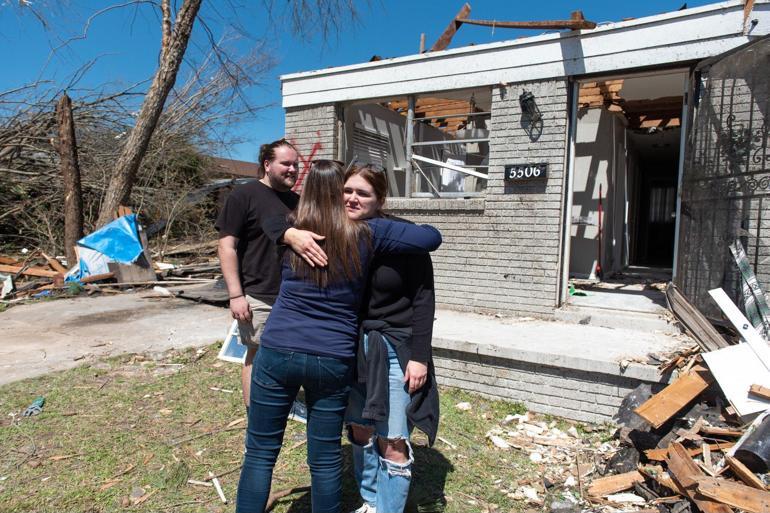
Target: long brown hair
point(321, 210)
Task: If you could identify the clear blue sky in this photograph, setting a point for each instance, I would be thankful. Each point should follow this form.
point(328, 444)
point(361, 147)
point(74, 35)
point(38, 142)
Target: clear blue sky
point(125, 41)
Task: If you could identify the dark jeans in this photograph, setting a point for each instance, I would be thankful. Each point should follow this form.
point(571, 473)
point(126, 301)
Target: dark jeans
point(275, 381)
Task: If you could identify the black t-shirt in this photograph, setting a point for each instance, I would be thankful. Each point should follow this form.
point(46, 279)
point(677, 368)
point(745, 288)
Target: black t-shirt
point(247, 208)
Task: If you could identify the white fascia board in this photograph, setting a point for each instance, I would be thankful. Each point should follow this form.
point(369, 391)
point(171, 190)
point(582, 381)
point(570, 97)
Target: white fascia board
point(657, 40)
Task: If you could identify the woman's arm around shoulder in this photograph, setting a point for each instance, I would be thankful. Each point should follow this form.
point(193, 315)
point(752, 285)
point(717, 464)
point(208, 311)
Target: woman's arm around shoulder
point(390, 236)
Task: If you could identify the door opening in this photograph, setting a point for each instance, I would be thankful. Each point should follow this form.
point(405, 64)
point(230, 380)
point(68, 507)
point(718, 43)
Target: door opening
point(624, 183)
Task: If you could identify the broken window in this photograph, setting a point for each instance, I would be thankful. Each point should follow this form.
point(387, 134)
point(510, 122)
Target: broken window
point(450, 152)
point(444, 152)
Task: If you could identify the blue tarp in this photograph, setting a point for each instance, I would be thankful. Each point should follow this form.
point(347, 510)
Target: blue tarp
point(117, 241)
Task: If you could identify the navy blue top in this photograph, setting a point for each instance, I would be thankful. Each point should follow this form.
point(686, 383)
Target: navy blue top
point(324, 321)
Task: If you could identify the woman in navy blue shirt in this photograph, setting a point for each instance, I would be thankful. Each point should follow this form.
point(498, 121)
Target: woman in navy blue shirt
point(310, 339)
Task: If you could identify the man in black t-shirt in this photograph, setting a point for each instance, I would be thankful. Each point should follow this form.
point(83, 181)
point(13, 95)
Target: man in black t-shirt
point(251, 262)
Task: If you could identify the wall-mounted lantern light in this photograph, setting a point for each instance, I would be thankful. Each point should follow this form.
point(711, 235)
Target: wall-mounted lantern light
point(529, 107)
point(531, 118)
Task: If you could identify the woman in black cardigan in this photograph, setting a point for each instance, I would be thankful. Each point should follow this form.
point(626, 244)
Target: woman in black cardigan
point(396, 387)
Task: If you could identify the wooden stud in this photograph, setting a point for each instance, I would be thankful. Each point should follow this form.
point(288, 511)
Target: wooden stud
point(30, 271)
point(451, 30)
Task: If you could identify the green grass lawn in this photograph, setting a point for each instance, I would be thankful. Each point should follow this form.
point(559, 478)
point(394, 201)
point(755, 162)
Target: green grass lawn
point(127, 433)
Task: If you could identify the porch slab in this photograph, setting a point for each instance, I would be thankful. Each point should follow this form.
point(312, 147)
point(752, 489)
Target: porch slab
point(580, 372)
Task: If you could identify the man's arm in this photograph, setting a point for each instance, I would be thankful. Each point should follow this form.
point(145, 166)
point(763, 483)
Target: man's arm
point(279, 230)
point(303, 243)
point(228, 260)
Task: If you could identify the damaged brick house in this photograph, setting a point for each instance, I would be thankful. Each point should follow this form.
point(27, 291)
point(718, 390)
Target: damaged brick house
point(634, 147)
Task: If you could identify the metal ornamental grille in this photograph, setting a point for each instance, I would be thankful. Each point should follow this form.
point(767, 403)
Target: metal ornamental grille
point(726, 179)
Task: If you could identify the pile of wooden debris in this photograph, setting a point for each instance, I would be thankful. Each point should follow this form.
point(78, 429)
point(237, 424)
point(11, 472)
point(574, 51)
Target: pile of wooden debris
point(703, 442)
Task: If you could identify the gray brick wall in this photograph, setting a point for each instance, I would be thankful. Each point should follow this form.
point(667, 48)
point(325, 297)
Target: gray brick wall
point(500, 254)
point(570, 393)
point(313, 131)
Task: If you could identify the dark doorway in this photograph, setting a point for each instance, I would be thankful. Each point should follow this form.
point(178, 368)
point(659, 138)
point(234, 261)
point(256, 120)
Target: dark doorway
point(653, 198)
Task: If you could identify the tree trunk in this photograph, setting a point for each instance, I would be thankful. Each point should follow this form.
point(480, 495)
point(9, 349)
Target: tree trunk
point(172, 52)
point(70, 170)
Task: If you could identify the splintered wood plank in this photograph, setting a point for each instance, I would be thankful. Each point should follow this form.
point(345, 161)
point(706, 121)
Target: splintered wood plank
point(8, 261)
point(760, 391)
point(686, 473)
point(55, 264)
point(666, 403)
point(31, 271)
point(737, 495)
point(613, 484)
point(704, 333)
point(719, 431)
point(660, 454)
point(744, 473)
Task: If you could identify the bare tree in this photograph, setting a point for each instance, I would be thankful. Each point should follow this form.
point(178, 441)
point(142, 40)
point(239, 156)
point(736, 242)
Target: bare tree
point(308, 17)
point(193, 125)
point(173, 46)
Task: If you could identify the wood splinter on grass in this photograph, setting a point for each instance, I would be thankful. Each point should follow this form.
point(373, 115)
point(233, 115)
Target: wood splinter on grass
point(218, 487)
point(199, 483)
point(225, 390)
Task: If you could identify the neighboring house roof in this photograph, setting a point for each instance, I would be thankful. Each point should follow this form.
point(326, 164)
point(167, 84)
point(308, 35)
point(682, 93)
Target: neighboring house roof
point(234, 167)
point(665, 39)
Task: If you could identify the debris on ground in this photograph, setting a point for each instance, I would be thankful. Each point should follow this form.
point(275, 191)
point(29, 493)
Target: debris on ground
point(700, 443)
point(113, 259)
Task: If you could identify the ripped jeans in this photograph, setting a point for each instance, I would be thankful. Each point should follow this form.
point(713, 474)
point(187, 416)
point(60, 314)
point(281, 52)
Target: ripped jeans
point(383, 483)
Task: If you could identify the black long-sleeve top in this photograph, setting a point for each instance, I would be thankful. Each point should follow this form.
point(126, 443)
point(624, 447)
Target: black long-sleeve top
point(401, 293)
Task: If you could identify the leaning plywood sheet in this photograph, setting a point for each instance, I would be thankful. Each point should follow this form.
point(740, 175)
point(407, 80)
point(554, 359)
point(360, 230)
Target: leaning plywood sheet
point(686, 473)
point(735, 369)
point(666, 403)
point(735, 494)
point(707, 337)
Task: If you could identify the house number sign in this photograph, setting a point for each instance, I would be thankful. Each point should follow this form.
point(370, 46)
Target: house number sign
point(525, 172)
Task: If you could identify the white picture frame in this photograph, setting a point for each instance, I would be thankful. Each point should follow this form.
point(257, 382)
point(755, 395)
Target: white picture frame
point(232, 350)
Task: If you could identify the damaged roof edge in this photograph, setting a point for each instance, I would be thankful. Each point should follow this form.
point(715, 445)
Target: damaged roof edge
point(673, 37)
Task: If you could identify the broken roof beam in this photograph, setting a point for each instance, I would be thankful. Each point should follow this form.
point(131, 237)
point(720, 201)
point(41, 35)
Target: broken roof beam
point(576, 22)
point(451, 30)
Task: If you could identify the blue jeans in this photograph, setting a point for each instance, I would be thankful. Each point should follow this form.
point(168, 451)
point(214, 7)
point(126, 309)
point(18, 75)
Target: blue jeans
point(275, 380)
point(382, 483)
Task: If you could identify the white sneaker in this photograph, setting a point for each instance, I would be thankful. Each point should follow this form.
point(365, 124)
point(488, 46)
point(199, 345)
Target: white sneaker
point(365, 508)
